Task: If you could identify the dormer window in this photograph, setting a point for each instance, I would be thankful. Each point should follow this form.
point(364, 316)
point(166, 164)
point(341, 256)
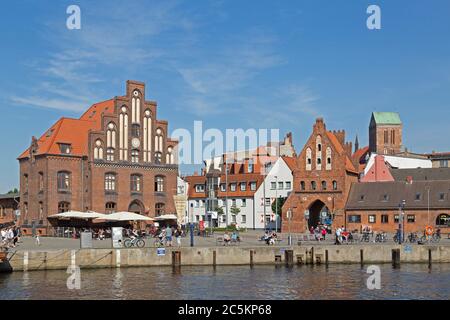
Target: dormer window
point(65, 148)
point(361, 197)
point(418, 196)
point(385, 197)
point(441, 196)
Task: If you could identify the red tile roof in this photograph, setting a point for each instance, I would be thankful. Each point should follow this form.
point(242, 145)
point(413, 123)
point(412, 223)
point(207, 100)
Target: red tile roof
point(291, 162)
point(72, 131)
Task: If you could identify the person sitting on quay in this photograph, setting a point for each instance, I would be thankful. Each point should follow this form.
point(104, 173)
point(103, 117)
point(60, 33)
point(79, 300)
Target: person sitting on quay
point(226, 238)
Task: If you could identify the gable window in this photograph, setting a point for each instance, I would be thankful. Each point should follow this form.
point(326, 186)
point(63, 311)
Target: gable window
point(302, 185)
point(308, 159)
point(243, 186)
point(280, 185)
point(110, 207)
point(135, 130)
point(288, 185)
point(170, 158)
point(135, 156)
point(158, 157)
point(63, 182)
point(110, 182)
point(159, 184)
point(65, 148)
point(135, 183)
point(335, 185)
point(273, 185)
point(250, 166)
point(253, 186)
point(199, 188)
point(233, 187)
point(98, 149)
point(110, 154)
point(324, 185)
point(313, 185)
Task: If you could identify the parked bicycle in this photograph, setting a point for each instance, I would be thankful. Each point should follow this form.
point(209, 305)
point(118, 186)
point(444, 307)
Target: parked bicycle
point(131, 242)
point(365, 237)
point(381, 237)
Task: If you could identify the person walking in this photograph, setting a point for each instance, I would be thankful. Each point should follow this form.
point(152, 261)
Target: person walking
point(178, 233)
point(37, 239)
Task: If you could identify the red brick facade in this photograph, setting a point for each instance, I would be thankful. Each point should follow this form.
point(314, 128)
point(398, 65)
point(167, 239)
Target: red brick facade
point(115, 144)
point(322, 179)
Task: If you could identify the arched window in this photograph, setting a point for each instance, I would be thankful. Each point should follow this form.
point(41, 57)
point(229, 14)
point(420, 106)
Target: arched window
point(170, 157)
point(147, 136)
point(324, 185)
point(110, 154)
point(135, 156)
point(110, 181)
point(158, 157)
point(136, 107)
point(63, 182)
point(136, 183)
point(319, 153)
point(159, 140)
point(308, 159)
point(302, 185)
point(135, 130)
point(123, 133)
point(335, 185)
point(159, 209)
point(159, 184)
point(313, 185)
point(41, 210)
point(110, 207)
point(443, 220)
point(63, 206)
point(98, 149)
point(328, 155)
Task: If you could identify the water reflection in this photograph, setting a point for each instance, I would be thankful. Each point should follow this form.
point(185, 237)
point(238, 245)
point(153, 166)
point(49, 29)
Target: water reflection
point(233, 282)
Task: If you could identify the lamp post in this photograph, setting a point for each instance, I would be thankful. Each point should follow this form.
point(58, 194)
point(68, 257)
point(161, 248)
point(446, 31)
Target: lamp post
point(191, 225)
point(289, 216)
point(276, 203)
point(401, 233)
point(428, 219)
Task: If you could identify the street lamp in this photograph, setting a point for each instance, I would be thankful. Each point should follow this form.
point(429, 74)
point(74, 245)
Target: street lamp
point(401, 233)
point(276, 203)
point(289, 216)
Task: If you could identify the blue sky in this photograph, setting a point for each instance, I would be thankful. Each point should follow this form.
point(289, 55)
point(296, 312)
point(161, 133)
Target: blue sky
point(231, 64)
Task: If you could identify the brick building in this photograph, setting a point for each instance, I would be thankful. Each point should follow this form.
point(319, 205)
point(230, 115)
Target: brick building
point(116, 157)
point(376, 204)
point(322, 178)
point(385, 133)
point(9, 203)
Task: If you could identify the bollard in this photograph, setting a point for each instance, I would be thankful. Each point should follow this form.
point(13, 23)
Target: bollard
point(326, 258)
point(176, 258)
point(289, 257)
point(361, 256)
point(214, 257)
point(312, 255)
point(396, 258)
point(429, 258)
point(251, 257)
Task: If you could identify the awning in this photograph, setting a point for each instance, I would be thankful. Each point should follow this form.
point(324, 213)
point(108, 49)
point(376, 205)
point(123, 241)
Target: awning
point(166, 217)
point(78, 215)
point(125, 216)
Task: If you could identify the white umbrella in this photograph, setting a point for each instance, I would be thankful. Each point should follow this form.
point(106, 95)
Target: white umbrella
point(78, 215)
point(125, 216)
point(166, 217)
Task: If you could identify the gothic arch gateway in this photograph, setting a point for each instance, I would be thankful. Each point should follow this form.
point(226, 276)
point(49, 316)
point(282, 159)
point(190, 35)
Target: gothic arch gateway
point(318, 212)
point(136, 206)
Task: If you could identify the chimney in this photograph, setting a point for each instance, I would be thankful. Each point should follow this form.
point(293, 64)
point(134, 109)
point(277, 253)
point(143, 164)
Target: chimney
point(409, 179)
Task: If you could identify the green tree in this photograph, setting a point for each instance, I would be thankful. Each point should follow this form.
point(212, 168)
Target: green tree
point(235, 210)
point(220, 211)
point(15, 190)
point(277, 205)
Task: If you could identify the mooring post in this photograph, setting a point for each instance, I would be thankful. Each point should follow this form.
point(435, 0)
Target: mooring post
point(429, 258)
point(396, 258)
point(312, 255)
point(361, 256)
point(289, 257)
point(251, 257)
point(214, 257)
point(326, 258)
point(176, 258)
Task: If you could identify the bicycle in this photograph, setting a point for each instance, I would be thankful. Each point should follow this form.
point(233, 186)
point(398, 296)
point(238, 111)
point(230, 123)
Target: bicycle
point(138, 242)
point(365, 237)
point(381, 237)
point(158, 242)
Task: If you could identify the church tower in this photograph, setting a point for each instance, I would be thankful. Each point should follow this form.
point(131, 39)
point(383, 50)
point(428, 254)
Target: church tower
point(385, 133)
